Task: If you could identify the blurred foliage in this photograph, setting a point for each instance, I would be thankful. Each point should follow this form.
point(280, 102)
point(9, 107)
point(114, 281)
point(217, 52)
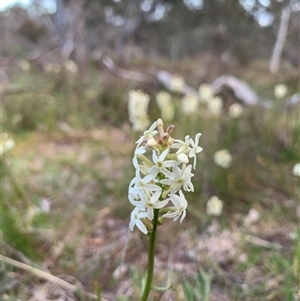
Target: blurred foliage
point(74, 142)
point(225, 33)
point(200, 290)
point(74, 148)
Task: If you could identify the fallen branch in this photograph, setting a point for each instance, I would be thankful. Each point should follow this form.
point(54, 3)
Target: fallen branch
point(126, 74)
point(166, 79)
point(47, 276)
point(240, 89)
point(262, 243)
point(161, 77)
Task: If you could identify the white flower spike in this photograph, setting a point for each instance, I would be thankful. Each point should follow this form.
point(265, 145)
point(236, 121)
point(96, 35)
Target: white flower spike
point(162, 177)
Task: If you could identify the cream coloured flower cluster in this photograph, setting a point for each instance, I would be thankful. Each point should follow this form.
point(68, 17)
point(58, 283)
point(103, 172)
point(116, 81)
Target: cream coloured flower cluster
point(223, 158)
point(159, 183)
point(214, 206)
point(137, 109)
point(164, 102)
point(177, 83)
point(280, 91)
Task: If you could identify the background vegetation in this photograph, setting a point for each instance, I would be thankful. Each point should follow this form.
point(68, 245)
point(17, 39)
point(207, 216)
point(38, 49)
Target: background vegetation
point(64, 206)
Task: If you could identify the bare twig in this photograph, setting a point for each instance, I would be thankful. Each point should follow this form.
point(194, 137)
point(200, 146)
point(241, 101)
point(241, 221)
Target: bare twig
point(262, 243)
point(47, 276)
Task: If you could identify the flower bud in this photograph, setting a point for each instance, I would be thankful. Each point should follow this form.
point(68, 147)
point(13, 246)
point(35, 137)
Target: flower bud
point(183, 158)
point(151, 142)
point(170, 128)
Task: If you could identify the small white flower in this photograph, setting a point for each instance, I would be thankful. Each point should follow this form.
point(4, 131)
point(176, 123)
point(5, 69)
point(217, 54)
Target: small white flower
point(235, 110)
point(136, 215)
point(139, 151)
point(280, 91)
point(161, 165)
point(214, 206)
point(144, 183)
point(148, 134)
point(6, 143)
point(180, 204)
point(44, 206)
point(181, 178)
point(296, 170)
point(223, 158)
point(182, 146)
point(252, 217)
point(148, 203)
point(205, 93)
point(215, 105)
point(195, 149)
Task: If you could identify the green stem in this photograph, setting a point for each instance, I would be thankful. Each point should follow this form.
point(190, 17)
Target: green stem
point(152, 237)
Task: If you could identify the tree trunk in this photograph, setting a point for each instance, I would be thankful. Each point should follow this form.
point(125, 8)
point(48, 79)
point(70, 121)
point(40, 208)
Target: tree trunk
point(280, 41)
point(69, 25)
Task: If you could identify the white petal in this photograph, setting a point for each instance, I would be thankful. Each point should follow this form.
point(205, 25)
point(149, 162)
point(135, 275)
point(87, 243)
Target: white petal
point(170, 214)
point(148, 179)
point(141, 226)
point(150, 213)
point(171, 163)
point(153, 170)
point(154, 198)
point(154, 157)
point(183, 158)
point(167, 182)
point(183, 216)
point(163, 155)
point(161, 204)
point(166, 172)
point(152, 187)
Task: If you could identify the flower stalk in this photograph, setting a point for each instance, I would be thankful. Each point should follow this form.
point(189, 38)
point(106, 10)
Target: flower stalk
point(156, 191)
point(151, 253)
